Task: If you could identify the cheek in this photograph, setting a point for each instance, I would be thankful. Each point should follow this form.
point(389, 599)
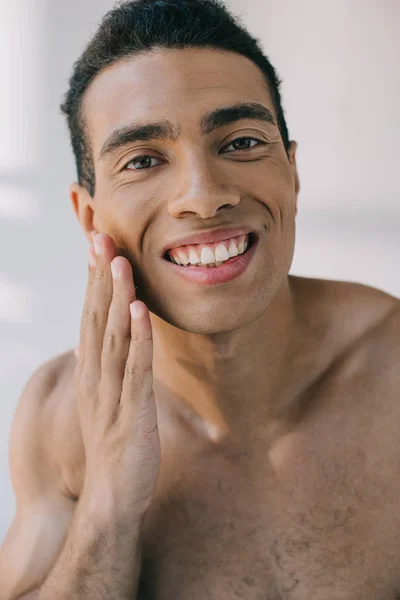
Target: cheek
point(128, 214)
point(274, 187)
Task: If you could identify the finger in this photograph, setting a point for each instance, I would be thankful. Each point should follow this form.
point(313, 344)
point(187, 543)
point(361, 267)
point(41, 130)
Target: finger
point(91, 271)
point(85, 311)
point(97, 304)
point(91, 268)
point(137, 388)
point(117, 335)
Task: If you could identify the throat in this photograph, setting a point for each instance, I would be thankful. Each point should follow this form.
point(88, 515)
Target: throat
point(217, 406)
point(225, 384)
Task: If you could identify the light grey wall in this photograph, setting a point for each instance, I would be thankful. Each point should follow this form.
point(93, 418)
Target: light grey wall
point(339, 63)
point(341, 82)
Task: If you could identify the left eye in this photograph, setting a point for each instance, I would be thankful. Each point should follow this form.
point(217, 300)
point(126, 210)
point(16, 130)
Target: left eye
point(243, 143)
point(144, 162)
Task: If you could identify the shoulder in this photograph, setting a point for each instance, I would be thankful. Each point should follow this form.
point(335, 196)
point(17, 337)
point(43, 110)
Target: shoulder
point(46, 423)
point(49, 392)
point(364, 323)
point(370, 314)
point(349, 310)
point(43, 385)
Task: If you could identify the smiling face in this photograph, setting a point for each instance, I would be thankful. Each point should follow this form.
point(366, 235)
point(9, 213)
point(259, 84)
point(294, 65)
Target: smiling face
point(198, 170)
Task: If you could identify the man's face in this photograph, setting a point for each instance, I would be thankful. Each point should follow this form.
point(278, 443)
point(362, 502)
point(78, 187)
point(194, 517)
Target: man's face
point(194, 181)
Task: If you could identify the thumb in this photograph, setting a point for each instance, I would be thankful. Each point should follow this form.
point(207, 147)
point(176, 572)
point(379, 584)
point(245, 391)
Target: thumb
point(76, 351)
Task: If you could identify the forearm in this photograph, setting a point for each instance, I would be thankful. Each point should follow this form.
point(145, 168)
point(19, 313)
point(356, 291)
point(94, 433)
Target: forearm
point(100, 559)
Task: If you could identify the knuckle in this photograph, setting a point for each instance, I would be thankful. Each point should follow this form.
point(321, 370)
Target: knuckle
point(100, 274)
point(110, 344)
point(132, 372)
point(114, 341)
point(147, 420)
point(134, 336)
point(148, 336)
point(91, 317)
point(149, 431)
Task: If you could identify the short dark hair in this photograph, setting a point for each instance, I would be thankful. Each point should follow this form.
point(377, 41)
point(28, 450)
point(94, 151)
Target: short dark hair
point(139, 26)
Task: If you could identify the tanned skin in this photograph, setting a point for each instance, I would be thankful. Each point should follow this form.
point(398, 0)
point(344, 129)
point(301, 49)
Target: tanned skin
point(237, 441)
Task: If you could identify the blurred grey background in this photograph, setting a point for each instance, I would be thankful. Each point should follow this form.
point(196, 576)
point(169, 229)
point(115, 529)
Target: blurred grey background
point(341, 83)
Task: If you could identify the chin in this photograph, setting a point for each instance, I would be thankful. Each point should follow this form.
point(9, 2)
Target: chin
point(219, 309)
point(214, 316)
point(217, 324)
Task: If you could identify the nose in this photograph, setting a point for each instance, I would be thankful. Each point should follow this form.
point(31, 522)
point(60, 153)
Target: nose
point(200, 192)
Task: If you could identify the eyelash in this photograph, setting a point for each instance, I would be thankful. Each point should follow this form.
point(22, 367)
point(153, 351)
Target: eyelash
point(259, 143)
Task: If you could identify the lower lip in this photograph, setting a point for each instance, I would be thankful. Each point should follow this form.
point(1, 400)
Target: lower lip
point(229, 270)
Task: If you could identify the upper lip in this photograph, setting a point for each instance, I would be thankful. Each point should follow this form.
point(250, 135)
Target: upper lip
point(208, 237)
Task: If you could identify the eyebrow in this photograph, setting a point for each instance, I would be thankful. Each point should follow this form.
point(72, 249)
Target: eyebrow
point(165, 130)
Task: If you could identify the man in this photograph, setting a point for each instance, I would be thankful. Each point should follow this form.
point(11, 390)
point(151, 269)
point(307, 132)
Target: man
point(230, 431)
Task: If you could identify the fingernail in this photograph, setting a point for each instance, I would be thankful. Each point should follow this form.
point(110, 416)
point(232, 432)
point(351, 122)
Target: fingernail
point(135, 309)
point(115, 270)
point(97, 245)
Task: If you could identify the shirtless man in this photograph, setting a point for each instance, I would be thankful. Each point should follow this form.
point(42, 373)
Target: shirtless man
point(238, 437)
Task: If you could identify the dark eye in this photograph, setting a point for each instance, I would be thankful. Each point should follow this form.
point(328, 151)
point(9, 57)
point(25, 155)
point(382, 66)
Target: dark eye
point(141, 162)
point(244, 143)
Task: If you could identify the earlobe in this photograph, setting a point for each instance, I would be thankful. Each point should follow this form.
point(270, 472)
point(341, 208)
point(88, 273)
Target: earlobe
point(82, 203)
point(292, 159)
point(292, 152)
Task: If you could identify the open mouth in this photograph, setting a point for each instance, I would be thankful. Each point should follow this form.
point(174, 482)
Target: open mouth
point(211, 255)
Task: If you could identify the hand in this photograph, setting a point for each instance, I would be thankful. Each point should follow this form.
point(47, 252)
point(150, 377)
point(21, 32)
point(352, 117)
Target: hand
point(114, 382)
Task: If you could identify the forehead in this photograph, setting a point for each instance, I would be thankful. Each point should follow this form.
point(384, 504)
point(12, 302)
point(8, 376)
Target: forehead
point(178, 85)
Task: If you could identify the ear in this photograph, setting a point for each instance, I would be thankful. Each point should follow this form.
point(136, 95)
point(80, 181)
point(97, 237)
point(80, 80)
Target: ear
point(82, 203)
point(292, 160)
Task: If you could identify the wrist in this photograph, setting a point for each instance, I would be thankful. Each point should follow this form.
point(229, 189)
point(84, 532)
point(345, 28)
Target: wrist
point(103, 505)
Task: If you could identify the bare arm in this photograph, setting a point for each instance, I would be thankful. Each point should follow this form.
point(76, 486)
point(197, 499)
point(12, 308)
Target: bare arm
point(43, 513)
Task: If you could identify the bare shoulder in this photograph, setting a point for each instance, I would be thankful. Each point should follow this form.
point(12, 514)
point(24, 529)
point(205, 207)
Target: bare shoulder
point(370, 314)
point(383, 343)
point(43, 388)
point(364, 324)
point(352, 310)
point(48, 404)
point(55, 380)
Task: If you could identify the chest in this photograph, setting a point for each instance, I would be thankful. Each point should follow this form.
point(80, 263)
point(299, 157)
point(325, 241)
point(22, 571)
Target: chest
point(317, 517)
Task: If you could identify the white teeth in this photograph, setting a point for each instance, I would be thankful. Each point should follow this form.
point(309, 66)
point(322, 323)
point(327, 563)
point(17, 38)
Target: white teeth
point(233, 251)
point(221, 253)
point(207, 256)
point(183, 258)
point(193, 257)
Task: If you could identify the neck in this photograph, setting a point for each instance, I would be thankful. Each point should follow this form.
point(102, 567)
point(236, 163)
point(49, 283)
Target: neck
point(221, 383)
